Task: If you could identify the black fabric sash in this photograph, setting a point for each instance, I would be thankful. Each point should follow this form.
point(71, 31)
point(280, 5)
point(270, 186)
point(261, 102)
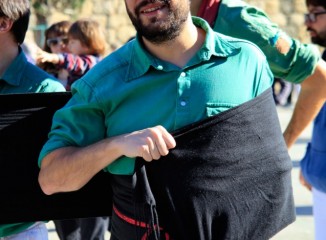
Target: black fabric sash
point(25, 120)
point(228, 178)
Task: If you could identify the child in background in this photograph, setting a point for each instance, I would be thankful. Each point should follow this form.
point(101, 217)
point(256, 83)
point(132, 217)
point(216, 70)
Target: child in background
point(86, 46)
point(56, 41)
point(69, 52)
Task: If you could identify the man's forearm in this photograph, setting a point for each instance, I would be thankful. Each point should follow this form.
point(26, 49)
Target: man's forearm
point(311, 99)
point(70, 168)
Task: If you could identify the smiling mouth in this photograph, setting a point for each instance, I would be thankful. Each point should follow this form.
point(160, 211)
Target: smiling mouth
point(151, 10)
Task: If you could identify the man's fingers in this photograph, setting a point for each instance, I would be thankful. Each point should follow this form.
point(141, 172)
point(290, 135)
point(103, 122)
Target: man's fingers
point(150, 143)
point(167, 138)
point(163, 140)
point(150, 150)
point(153, 149)
point(145, 153)
point(158, 142)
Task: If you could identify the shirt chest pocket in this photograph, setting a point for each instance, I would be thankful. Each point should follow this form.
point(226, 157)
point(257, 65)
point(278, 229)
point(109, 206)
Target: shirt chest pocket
point(216, 108)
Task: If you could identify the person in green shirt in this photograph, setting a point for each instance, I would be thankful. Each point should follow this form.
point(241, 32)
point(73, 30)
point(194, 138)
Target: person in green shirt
point(288, 58)
point(176, 72)
point(20, 76)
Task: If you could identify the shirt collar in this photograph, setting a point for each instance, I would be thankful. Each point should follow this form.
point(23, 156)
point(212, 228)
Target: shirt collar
point(140, 60)
point(14, 73)
point(215, 44)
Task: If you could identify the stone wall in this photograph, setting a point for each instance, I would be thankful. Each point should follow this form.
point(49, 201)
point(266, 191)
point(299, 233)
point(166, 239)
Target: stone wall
point(111, 14)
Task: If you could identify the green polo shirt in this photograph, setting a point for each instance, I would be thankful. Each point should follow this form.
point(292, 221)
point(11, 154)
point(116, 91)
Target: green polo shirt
point(238, 19)
point(23, 77)
point(131, 90)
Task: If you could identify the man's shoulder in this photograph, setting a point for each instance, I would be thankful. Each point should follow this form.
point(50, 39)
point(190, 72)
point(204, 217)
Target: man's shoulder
point(38, 76)
point(36, 72)
point(115, 64)
point(119, 58)
point(245, 45)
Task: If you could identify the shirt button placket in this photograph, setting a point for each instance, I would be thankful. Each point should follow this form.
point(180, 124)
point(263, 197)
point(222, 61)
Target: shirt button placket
point(159, 67)
point(183, 108)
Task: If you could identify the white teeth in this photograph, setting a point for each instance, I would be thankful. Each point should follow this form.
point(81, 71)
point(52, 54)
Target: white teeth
point(151, 10)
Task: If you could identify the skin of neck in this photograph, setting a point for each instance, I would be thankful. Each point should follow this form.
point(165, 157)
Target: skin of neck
point(8, 51)
point(181, 49)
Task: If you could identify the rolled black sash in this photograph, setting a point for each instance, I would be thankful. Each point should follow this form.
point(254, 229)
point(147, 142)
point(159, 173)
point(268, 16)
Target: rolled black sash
point(228, 178)
point(25, 121)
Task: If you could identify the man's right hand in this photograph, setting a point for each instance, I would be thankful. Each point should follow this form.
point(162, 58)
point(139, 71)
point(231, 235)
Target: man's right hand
point(150, 143)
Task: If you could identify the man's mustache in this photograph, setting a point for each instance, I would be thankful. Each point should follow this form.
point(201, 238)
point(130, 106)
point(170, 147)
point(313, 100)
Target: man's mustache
point(309, 29)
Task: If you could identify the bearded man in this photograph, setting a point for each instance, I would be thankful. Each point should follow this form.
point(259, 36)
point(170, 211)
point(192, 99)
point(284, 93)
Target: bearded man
point(181, 118)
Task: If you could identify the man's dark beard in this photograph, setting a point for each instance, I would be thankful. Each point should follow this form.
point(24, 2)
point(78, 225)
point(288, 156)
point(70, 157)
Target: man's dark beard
point(167, 30)
point(320, 39)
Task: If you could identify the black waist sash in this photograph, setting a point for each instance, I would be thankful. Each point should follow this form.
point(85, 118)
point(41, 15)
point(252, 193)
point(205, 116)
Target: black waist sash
point(25, 120)
point(228, 178)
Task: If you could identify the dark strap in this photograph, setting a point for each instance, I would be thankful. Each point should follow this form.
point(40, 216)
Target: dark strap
point(208, 10)
point(25, 121)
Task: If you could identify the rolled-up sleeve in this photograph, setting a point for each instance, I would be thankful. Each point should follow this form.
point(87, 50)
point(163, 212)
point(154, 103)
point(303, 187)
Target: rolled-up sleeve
point(288, 58)
point(79, 123)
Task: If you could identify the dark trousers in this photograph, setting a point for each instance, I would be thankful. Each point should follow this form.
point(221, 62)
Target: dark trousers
point(82, 228)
